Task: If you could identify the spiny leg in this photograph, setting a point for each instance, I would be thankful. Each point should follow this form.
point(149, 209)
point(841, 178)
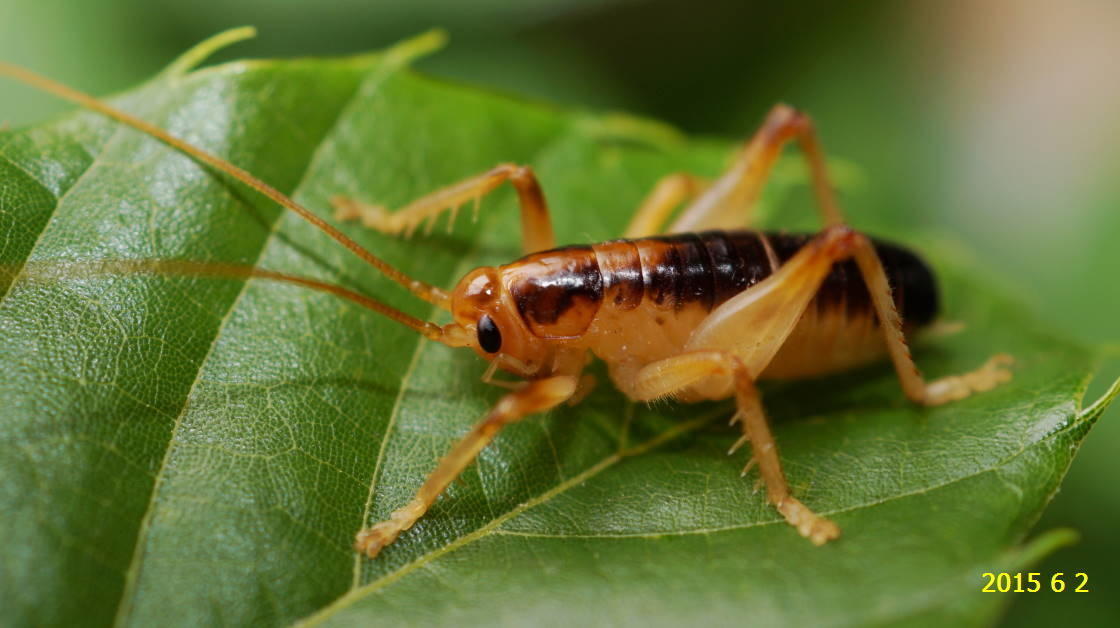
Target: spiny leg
point(669, 192)
point(992, 373)
point(771, 310)
point(728, 202)
point(533, 397)
point(672, 375)
point(755, 323)
point(736, 191)
point(536, 226)
point(720, 360)
point(951, 388)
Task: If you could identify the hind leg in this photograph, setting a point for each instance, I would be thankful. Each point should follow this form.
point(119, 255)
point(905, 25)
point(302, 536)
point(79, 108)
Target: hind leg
point(734, 193)
point(950, 388)
point(721, 360)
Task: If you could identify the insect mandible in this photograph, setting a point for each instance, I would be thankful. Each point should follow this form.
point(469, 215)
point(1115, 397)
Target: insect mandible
point(697, 310)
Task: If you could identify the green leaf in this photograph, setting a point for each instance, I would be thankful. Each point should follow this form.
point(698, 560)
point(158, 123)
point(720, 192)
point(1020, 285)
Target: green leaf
point(191, 451)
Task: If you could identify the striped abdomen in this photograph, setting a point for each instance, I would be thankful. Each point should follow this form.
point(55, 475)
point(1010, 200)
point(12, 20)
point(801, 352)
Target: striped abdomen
point(559, 293)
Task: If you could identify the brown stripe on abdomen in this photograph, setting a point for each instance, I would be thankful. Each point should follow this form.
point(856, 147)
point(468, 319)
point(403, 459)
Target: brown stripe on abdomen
point(912, 284)
point(703, 269)
point(675, 271)
point(621, 270)
point(557, 292)
point(739, 260)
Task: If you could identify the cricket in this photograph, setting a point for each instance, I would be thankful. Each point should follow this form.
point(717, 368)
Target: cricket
point(690, 305)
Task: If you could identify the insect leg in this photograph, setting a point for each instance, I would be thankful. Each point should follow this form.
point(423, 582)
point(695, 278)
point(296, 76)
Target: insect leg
point(533, 397)
point(678, 373)
point(727, 203)
point(669, 192)
point(755, 323)
point(951, 388)
point(536, 226)
point(720, 359)
point(989, 375)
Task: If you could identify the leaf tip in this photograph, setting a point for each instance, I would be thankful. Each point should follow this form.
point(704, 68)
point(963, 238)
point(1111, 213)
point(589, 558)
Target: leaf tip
point(418, 46)
point(628, 127)
point(207, 47)
point(1043, 545)
point(1094, 411)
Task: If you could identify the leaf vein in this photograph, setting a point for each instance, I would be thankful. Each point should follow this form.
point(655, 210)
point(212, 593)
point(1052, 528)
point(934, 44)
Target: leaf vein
point(129, 591)
point(58, 204)
point(356, 594)
point(393, 414)
point(994, 468)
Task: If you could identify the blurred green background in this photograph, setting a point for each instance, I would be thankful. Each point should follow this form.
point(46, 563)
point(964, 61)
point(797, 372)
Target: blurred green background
point(994, 120)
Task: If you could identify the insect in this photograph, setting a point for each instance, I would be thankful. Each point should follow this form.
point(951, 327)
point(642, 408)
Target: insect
point(699, 310)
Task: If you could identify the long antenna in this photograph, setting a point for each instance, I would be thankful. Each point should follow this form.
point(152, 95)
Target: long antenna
point(425, 291)
point(58, 271)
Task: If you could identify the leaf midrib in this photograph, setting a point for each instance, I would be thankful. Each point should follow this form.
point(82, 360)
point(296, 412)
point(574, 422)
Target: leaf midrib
point(462, 268)
point(923, 490)
point(356, 581)
point(379, 73)
point(486, 529)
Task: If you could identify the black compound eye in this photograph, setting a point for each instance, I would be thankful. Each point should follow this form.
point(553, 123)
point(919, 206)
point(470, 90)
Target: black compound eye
point(489, 338)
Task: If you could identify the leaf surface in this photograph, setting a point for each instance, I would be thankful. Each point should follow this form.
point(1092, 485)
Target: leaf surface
point(193, 451)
